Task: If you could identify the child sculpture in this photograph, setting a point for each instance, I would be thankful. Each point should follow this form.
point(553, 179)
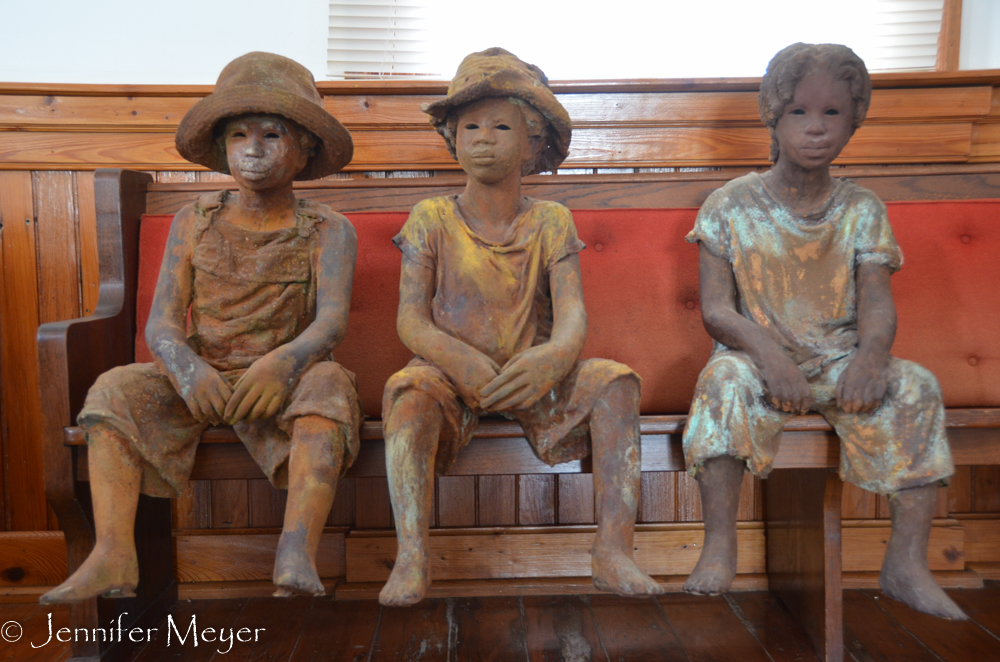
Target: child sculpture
point(491, 304)
point(267, 279)
point(794, 271)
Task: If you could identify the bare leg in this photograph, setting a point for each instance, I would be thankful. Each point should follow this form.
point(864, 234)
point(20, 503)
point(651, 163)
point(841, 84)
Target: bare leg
point(112, 568)
point(719, 484)
point(614, 427)
point(905, 575)
point(411, 440)
point(314, 464)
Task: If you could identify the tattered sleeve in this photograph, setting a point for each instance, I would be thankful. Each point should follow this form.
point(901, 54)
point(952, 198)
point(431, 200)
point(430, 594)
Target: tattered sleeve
point(418, 238)
point(712, 227)
point(559, 239)
point(874, 242)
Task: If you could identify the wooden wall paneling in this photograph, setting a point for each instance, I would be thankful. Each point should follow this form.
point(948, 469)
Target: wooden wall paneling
point(193, 508)
point(58, 260)
point(881, 506)
point(941, 510)
point(985, 143)
point(267, 503)
point(576, 498)
point(456, 500)
point(25, 507)
point(86, 212)
point(246, 555)
point(986, 489)
point(960, 491)
point(536, 500)
point(373, 509)
point(750, 498)
point(496, 500)
point(230, 504)
point(117, 112)
point(858, 503)
point(688, 498)
point(4, 525)
point(342, 513)
point(32, 558)
point(950, 36)
point(177, 177)
point(659, 496)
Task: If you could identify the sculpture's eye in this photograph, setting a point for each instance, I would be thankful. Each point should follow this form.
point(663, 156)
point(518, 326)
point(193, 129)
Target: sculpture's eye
point(271, 135)
point(832, 111)
point(503, 127)
point(471, 127)
point(239, 134)
point(797, 111)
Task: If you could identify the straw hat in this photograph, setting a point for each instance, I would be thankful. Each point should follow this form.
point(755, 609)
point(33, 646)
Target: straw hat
point(499, 73)
point(264, 83)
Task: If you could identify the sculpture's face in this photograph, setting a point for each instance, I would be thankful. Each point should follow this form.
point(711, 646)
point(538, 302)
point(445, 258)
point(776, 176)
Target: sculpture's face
point(492, 141)
point(817, 123)
point(264, 151)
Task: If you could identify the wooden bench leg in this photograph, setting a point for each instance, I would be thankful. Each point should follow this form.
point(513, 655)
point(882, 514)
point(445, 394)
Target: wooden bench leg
point(802, 510)
point(155, 595)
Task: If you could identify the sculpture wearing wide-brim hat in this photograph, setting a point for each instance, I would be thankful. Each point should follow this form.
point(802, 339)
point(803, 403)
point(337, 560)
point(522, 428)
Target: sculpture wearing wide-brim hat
point(496, 72)
point(265, 83)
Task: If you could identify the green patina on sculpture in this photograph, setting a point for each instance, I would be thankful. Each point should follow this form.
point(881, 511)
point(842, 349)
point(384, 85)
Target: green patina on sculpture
point(794, 278)
point(267, 281)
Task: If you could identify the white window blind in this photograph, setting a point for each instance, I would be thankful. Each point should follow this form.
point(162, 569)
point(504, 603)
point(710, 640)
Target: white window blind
point(597, 39)
point(378, 39)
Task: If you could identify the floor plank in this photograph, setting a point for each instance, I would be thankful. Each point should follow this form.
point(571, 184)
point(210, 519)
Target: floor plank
point(283, 619)
point(561, 629)
point(963, 640)
point(635, 630)
point(12, 619)
point(487, 630)
point(870, 634)
point(165, 646)
point(35, 632)
point(709, 630)
point(417, 634)
point(772, 626)
point(338, 631)
point(982, 606)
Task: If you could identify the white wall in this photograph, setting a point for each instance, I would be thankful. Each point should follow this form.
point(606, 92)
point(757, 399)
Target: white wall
point(153, 42)
point(189, 41)
point(980, 45)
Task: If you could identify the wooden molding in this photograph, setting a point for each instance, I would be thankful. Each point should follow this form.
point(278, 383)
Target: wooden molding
point(950, 37)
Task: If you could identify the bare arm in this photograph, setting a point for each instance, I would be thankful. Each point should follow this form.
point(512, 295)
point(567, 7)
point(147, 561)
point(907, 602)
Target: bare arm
point(204, 390)
point(266, 385)
point(787, 386)
point(863, 383)
point(468, 368)
point(532, 373)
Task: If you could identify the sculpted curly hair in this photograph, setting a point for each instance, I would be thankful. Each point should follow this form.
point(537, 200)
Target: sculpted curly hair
point(797, 61)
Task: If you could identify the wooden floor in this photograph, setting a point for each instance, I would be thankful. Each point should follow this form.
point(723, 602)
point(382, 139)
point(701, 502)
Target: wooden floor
point(741, 626)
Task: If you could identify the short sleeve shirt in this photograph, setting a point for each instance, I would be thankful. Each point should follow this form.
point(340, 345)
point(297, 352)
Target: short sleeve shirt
point(494, 296)
point(795, 275)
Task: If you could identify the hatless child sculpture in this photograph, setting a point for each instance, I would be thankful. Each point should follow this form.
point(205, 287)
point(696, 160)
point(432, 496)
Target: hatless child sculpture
point(491, 304)
point(267, 280)
point(794, 271)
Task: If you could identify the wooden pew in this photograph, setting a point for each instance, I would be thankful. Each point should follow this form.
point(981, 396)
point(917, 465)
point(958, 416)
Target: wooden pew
point(802, 499)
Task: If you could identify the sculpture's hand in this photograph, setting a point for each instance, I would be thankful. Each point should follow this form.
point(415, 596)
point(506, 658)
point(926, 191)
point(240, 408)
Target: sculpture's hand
point(862, 385)
point(204, 390)
point(262, 389)
point(474, 372)
point(788, 389)
point(526, 378)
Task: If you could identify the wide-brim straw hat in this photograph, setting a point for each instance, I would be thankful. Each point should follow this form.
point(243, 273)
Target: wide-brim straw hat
point(496, 72)
point(265, 83)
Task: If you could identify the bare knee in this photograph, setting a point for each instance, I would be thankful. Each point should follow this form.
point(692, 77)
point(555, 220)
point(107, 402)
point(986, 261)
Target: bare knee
point(414, 421)
point(320, 442)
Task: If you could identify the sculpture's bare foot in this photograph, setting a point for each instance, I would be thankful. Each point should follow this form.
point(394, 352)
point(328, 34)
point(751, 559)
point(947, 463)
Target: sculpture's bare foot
point(913, 584)
point(616, 572)
point(112, 574)
point(293, 571)
point(715, 570)
point(408, 582)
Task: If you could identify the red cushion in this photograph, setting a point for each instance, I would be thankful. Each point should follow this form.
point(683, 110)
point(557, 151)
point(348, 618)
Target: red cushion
point(640, 281)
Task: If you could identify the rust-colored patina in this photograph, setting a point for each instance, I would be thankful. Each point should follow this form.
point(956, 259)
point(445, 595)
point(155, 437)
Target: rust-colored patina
point(491, 304)
point(267, 281)
point(794, 271)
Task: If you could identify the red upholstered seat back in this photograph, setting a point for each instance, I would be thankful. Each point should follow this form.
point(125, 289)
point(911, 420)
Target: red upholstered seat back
point(640, 283)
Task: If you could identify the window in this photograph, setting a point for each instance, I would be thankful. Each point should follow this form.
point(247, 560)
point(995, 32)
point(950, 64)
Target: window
point(596, 39)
